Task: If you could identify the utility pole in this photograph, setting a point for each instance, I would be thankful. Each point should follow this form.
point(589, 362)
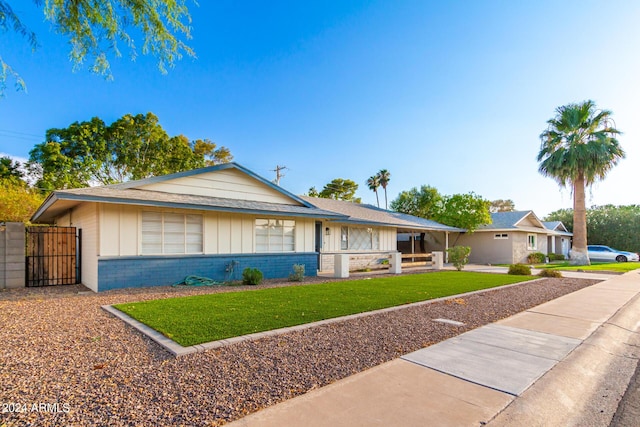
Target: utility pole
point(278, 170)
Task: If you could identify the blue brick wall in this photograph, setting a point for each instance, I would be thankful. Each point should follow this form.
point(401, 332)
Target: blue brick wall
point(131, 272)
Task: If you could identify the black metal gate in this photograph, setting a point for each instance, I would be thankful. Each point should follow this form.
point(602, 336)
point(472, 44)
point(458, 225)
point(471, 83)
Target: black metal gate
point(53, 256)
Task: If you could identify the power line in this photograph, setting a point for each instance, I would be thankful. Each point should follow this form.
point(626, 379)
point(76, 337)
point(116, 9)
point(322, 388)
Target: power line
point(21, 134)
point(278, 170)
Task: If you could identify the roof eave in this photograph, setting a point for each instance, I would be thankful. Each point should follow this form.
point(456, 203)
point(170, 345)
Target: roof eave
point(350, 220)
point(315, 213)
point(48, 202)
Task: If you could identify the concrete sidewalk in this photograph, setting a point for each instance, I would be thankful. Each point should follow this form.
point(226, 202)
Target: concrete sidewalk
point(566, 362)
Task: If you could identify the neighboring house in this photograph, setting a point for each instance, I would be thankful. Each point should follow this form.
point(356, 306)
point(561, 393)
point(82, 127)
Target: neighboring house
point(559, 242)
point(211, 222)
point(510, 238)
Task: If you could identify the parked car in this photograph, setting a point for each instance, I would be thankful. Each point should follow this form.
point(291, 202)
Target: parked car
point(605, 253)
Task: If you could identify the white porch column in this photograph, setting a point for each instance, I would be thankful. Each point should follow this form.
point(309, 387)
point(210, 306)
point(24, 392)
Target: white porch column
point(553, 244)
point(341, 266)
point(446, 246)
point(395, 263)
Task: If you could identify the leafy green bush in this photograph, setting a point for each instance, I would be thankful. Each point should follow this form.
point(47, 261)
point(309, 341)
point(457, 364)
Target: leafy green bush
point(556, 257)
point(520, 270)
point(251, 276)
point(536, 258)
point(298, 273)
point(459, 256)
point(549, 273)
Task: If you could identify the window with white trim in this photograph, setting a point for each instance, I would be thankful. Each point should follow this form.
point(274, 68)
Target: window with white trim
point(275, 235)
point(344, 238)
point(171, 233)
point(532, 242)
point(501, 236)
point(361, 239)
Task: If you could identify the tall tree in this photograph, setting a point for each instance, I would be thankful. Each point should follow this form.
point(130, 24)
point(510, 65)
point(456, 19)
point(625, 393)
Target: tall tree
point(578, 149)
point(468, 211)
point(10, 169)
point(374, 183)
point(211, 153)
point(340, 189)
point(17, 200)
point(384, 176)
point(94, 28)
point(502, 205)
point(563, 215)
point(615, 226)
point(132, 147)
point(425, 202)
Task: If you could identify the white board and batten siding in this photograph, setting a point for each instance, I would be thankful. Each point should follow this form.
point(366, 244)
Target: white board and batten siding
point(331, 242)
point(227, 183)
point(85, 217)
point(223, 233)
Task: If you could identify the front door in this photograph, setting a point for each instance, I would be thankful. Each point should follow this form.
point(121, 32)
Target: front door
point(319, 241)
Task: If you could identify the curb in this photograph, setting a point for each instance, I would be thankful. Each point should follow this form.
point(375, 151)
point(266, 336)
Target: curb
point(586, 387)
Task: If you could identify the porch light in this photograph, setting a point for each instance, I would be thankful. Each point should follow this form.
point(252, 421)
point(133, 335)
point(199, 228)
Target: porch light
point(327, 231)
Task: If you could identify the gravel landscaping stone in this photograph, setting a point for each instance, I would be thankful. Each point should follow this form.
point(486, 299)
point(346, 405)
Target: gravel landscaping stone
point(65, 361)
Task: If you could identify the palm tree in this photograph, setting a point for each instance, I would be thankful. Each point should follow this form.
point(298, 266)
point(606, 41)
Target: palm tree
point(578, 149)
point(383, 177)
point(373, 183)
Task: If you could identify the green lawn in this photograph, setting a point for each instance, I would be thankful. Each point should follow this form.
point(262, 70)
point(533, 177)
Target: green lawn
point(616, 267)
point(202, 318)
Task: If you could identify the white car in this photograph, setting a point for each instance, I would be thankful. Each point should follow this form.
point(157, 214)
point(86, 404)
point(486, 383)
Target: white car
point(605, 253)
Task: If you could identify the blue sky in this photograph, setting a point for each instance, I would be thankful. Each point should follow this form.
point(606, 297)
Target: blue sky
point(451, 94)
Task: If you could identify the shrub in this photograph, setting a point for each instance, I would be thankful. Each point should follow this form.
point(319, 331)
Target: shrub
point(251, 276)
point(556, 257)
point(459, 256)
point(549, 273)
point(520, 270)
point(298, 273)
point(536, 258)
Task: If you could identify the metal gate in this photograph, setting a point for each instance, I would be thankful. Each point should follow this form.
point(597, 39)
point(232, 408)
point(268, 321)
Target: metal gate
point(52, 256)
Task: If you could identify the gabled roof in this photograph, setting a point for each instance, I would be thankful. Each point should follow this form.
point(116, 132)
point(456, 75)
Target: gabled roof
point(558, 227)
point(132, 193)
point(514, 220)
point(366, 214)
point(137, 184)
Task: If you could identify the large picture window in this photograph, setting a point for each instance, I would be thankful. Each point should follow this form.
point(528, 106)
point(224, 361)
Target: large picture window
point(275, 235)
point(171, 233)
point(360, 239)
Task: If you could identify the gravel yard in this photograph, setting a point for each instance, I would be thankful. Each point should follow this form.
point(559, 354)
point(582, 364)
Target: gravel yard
point(64, 361)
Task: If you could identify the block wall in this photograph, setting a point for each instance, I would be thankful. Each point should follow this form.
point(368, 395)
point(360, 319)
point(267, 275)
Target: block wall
point(362, 261)
point(128, 272)
point(12, 256)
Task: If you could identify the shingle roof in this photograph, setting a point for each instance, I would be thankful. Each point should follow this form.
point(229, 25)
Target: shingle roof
point(510, 221)
point(369, 214)
point(504, 220)
point(112, 194)
point(131, 193)
point(558, 227)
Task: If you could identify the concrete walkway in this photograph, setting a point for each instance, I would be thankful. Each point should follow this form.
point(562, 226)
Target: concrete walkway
point(566, 362)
